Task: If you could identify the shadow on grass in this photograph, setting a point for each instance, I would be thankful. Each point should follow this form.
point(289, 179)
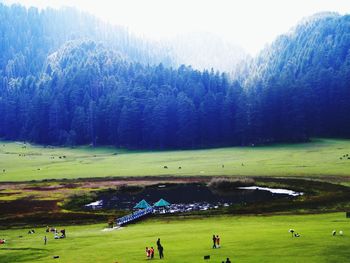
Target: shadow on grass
point(22, 254)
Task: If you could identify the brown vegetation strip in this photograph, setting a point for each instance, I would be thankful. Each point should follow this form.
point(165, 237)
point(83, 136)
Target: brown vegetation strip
point(27, 206)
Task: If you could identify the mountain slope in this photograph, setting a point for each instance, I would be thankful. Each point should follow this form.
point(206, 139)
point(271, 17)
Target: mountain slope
point(304, 77)
point(28, 36)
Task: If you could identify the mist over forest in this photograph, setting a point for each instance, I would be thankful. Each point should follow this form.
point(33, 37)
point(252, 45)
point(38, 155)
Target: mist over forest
point(67, 78)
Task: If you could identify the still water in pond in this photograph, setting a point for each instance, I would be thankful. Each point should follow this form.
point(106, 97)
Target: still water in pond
point(188, 197)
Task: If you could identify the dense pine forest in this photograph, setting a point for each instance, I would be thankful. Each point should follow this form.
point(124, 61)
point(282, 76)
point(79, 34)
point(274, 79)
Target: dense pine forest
point(68, 79)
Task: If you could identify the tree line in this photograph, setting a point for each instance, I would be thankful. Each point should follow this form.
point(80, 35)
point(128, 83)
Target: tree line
point(105, 92)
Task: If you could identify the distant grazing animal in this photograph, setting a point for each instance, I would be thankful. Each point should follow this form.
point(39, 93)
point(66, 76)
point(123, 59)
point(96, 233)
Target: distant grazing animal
point(165, 167)
point(291, 231)
point(334, 233)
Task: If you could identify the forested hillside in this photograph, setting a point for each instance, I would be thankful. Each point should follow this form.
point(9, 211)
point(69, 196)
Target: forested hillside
point(28, 36)
point(301, 83)
point(66, 78)
point(90, 94)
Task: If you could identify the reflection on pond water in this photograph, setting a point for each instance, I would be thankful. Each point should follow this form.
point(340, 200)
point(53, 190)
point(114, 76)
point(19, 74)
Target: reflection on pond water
point(190, 197)
point(273, 190)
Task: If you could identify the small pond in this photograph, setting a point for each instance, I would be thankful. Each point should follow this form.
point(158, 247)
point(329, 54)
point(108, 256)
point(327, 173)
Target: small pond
point(189, 197)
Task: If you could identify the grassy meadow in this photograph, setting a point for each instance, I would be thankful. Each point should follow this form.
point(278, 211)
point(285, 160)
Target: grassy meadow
point(321, 157)
point(185, 240)
point(243, 238)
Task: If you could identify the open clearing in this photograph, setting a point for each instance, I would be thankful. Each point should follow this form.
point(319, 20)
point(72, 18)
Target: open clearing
point(263, 238)
point(244, 239)
point(321, 157)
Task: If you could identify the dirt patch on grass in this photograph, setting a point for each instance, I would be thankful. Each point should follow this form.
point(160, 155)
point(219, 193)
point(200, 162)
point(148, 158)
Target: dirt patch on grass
point(141, 181)
point(52, 187)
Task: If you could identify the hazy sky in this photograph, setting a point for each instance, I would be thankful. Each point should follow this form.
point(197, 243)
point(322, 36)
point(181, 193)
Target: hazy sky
point(249, 23)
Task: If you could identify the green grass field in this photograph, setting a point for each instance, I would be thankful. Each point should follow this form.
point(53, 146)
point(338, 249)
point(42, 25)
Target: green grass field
point(321, 157)
point(244, 239)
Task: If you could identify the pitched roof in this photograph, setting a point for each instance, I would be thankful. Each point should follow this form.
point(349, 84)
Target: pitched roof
point(161, 203)
point(142, 205)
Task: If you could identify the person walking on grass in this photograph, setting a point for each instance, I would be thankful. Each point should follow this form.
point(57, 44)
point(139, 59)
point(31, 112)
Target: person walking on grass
point(45, 240)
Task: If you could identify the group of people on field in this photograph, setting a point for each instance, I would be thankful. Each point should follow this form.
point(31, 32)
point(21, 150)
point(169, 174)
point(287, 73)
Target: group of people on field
point(216, 244)
point(57, 234)
point(216, 241)
point(150, 251)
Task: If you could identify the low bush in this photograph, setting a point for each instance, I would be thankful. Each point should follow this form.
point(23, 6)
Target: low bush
point(227, 184)
point(77, 201)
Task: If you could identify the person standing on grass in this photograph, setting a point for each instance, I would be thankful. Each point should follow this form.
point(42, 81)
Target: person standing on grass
point(152, 252)
point(160, 249)
point(217, 241)
point(214, 241)
point(158, 244)
point(148, 254)
point(45, 240)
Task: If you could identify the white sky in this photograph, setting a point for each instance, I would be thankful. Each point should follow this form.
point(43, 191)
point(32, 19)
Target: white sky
point(248, 23)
